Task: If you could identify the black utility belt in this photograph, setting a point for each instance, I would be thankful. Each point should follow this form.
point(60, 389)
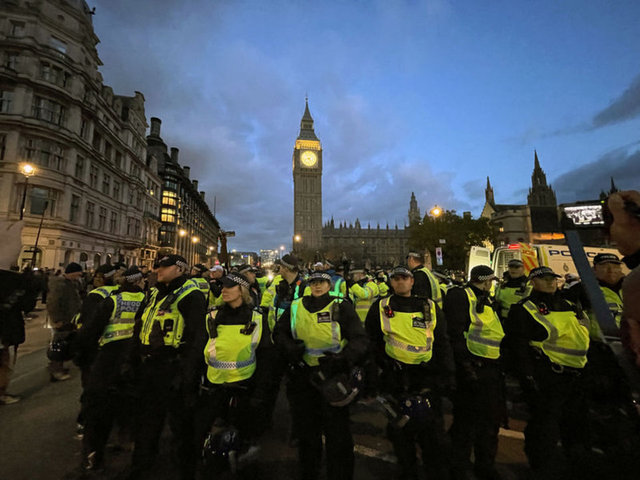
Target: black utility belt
point(562, 370)
point(480, 362)
point(165, 355)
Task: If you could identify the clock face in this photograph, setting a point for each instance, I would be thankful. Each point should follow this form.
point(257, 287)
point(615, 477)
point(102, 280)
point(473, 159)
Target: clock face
point(308, 158)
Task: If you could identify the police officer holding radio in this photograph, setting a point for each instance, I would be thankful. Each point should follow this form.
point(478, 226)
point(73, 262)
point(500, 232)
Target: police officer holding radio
point(409, 339)
point(168, 323)
point(322, 339)
point(547, 340)
point(479, 403)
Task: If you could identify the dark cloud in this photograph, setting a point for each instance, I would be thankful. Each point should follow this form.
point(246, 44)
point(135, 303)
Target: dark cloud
point(625, 107)
point(586, 182)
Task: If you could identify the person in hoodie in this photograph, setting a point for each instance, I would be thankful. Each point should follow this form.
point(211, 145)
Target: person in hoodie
point(547, 340)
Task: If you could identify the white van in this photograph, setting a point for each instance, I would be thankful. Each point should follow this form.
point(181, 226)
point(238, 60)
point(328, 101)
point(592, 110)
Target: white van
point(557, 257)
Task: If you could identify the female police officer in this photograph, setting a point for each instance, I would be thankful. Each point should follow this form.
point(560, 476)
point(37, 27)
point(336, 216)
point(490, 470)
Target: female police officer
point(321, 337)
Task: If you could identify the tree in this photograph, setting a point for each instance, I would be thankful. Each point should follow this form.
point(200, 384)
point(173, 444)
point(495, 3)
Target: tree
point(459, 233)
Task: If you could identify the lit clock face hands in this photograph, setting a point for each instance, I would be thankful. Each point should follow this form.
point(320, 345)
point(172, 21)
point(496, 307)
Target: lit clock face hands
point(308, 158)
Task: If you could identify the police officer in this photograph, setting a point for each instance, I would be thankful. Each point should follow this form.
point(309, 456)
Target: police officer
point(425, 284)
point(250, 272)
point(479, 405)
point(109, 329)
point(362, 291)
point(409, 339)
point(321, 337)
point(290, 287)
point(238, 352)
point(382, 283)
point(514, 288)
point(86, 340)
point(547, 341)
point(198, 276)
point(215, 285)
point(167, 325)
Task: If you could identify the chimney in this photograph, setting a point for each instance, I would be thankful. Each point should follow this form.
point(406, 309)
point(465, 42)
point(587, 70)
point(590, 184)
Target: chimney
point(155, 127)
point(174, 155)
point(202, 195)
point(187, 170)
point(195, 184)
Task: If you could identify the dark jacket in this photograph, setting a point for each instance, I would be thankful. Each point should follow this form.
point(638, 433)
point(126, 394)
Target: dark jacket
point(421, 285)
point(13, 302)
point(63, 302)
point(397, 378)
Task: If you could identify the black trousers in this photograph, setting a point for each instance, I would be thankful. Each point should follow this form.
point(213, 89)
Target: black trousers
point(85, 372)
point(107, 398)
point(157, 401)
point(313, 417)
point(478, 410)
point(558, 412)
point(430, 436)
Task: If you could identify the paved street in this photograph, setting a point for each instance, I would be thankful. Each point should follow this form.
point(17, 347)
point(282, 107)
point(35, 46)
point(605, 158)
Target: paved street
point(38, 433)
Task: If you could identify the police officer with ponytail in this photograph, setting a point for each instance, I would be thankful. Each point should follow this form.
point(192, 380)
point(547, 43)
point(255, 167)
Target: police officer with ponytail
point(322, 339)
point(169, 322)
point(237, 375)
point(110, 330)
point(479, 404)
point(409, 339)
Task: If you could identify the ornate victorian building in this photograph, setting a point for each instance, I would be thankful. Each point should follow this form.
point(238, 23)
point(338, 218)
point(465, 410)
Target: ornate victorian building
point(93, 191)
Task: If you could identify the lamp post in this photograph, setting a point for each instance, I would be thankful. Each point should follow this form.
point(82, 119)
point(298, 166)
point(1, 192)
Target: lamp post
point(194, 256)
point(281, 251)
point(27, 170)
point(35, 247)
point(180, 233)
point(297, 238)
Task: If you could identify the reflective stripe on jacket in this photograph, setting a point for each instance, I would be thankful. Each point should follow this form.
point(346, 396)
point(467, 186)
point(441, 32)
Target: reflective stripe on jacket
point(122, 320)
point(485, 330)
point(436, 293)
point(568, 339)
point(363, 296)
point(319, 331)
point(408, 336)
point(170, 319)
point(230, 355)
point(507, 296)
point(103, 291)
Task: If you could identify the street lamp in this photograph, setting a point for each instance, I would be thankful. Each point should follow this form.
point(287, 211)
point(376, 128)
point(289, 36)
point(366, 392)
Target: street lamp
point(281, 251)
point(27, 170)
point(436, 211)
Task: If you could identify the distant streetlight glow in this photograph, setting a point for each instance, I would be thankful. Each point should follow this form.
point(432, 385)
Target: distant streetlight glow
point(436, 211)
point(195, 239)
point(27, 170)
point(182, 232)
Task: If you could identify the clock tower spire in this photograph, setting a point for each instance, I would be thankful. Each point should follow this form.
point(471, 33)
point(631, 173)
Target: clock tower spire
point(307, 187)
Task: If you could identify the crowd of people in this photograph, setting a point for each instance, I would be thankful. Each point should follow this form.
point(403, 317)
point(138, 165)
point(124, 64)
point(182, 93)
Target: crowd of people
point(207, 350)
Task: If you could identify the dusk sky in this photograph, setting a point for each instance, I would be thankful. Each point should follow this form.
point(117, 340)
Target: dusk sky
point(427, 96)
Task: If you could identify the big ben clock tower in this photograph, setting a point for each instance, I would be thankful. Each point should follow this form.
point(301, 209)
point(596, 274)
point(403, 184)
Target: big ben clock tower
point(307, 187)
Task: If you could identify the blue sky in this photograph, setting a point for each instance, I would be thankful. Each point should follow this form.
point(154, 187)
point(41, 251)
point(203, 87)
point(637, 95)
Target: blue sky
point(407, 95)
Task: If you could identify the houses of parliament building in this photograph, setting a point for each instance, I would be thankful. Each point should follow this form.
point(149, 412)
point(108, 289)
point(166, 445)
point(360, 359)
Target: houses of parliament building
point(311, 239)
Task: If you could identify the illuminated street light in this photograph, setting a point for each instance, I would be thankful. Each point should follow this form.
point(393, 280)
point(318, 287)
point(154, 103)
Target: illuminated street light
point(436, 211)
point(27, 170)
point(182, 232)
point(297, 238)
point(195, 239)
point(281, 251)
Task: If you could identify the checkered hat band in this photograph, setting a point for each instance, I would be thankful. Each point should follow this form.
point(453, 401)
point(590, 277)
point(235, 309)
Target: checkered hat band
point(482, 278)
point(110, 273)
point(238, 280)
point(319, 276)
point(288, 265)
point(181, 264)
point(133, 278)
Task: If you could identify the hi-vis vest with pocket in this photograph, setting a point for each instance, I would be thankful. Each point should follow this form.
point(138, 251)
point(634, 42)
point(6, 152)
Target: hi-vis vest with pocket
point(276, 313)
point(408, 336)
point(103, 291)
point(363, 297)
point(485, 330)
point(338, 289)
point(319, 331)
point(202, 285)
point(170, 319)
point(122, 320)
point(436, 293)
point(229, 354)
point(568, 339)
point(507, 296)
point(614, 302)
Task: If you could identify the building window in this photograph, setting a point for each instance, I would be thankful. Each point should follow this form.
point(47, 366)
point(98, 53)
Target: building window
point(168, 215)
point(3, 143)
point(97, 140)
point(102, 219)
point(11, 60)
point(118, 160)
point(43, 200)
point(108, 149)
point(17, 29)
point(169, 198)
point(43, 152)
point(79, 167)
point(131, 195)
point(54, 74)
point(138, 231)
point(75, 208)
point(91, 209)
point(6, 98)
point(48, 110)
point(113, 223)
point(58, 45)
point(116, 191)
point(93, 177)
point(129, 225)
point(106, 184)
point(84, 128)
point(171, 185)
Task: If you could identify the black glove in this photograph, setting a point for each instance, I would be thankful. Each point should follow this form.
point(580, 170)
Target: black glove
point(293, 351)
point(333, 363)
